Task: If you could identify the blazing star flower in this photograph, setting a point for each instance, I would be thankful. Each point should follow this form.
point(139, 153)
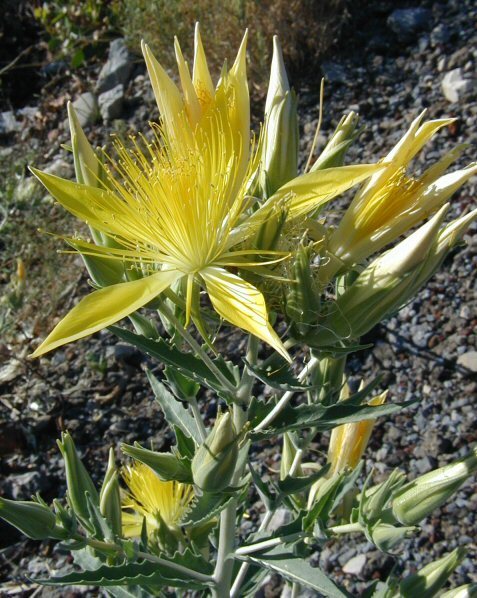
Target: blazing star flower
point(391, 201)
point(159, 502)
point(176, 208)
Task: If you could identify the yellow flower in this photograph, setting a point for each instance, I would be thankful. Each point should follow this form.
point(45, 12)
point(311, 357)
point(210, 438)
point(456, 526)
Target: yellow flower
point(349, 441)
point(392, 202)
point(152, 499)
point(177, 207)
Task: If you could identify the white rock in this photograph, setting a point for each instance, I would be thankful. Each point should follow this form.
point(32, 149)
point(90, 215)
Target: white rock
point(355, 565)
point(117, 69)
point(454, 86)
point(468, 360)
point(111, 102)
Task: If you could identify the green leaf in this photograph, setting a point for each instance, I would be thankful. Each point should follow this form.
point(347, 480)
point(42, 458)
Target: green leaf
point(186, 363)
point(205, 508)
point(279, 376)
point(331, 351)
point(185, 444)
point(182, 386)
point(143, 573)
point(78, 59)
point(319, 416)
point(174, 412)
point(299, 571)
point(291, 485)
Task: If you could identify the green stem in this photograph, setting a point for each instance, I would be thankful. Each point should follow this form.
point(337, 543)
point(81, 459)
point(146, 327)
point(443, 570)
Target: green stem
point(224, 564)
point(347, 528)
point(198, 418)
point(265, 544)
point(283, 402)
point(246, 382)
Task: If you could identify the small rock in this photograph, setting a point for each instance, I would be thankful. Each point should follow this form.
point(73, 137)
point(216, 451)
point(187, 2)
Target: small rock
point(61, 168)
point(111, 102)
point(24, 485)
point(86, 108)
point(10, 371)
point(407, 22)
point(8, 123)
point(468, 360)
point(355, 565)
point(440, 35)
point(117, 69)
point(454, 86)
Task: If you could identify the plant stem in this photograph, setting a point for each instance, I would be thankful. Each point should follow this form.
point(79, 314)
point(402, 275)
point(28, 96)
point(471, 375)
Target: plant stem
point(194, 345)
point(244, 550)
point(234, 592)
point(246, 382)
point(296, 462)
point(283, 402)
point(198, 418)
point(224, 564)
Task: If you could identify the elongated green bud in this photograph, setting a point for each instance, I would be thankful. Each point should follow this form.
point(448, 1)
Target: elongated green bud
point(467, 591)
point(335, 150)
point(429, 580)
point(167, 466)
point(303, 300)
point(78, 479)
point(417, 499)
point(109, 497)
point(35, 520)
point(214, 462)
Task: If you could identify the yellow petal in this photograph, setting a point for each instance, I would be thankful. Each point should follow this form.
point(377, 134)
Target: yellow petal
point(191, 101)
point(168, 97)
point(241, 304)
point(105, 307)
point(200, 74)
point(306, 193)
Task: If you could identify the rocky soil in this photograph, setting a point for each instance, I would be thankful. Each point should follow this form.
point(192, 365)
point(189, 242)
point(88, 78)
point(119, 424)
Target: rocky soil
point(394, 60)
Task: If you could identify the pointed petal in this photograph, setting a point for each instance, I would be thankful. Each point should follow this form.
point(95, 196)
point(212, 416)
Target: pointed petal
point(168, 97)
point(441, 190)
point(278, 85)
point(200, 72)
point(241, 304)
point(105, 307)
point(191, 101)
point(87, 165)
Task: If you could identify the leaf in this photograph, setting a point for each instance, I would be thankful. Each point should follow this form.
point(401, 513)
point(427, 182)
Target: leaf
point(174, 412)
point(166, 465)
point(205, 508)
point(297, 570)
point(182, 386)
point(320, 417)
point(334, 351)
point(78, 59)
point(291, 485)
point(143, 573)
point(185, 444)
point(186, 363)
point(279, 377)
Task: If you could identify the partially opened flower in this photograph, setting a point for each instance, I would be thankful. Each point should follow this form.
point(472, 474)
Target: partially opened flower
point(176, 208)
point(150, 498)
point(392, 201)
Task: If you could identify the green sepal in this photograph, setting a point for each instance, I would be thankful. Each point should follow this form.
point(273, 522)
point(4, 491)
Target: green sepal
point(167, 466)
point(205, 508)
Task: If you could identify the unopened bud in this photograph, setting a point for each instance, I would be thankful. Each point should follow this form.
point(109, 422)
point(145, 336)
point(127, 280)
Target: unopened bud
point(303, 300)
point(167, 466)
point(335, 150)
point(109, 497)
point(469, 590)
point(35, 520)
point(78, 479)
point(213, 465)
point(430, 579)
point(417, 499)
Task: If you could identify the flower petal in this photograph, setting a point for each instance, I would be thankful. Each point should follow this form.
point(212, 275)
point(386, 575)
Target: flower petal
point(105, 307)
point(200, 72)
point(241, 304)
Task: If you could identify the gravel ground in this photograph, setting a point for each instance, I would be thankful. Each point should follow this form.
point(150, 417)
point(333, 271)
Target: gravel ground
point(96, 389)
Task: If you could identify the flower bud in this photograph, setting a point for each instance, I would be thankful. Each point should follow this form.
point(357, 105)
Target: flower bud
point(35, 520)
point(78, 479)
point(430, 579)
point(303, 300)
point(334, 152)
point(386, 536)
point(213, 465)
point(384, 286)
point(109, 497)
point(349, 441)
point(279, 159)
point(167, 466)
point(417, 499)
point(467, 591)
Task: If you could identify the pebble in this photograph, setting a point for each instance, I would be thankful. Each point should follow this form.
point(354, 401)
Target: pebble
point(355, 565)
point(468, 360)
point(455, 86)
point(117, 69)
point(111, 102)
point(407, 22)
point(86, 108)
